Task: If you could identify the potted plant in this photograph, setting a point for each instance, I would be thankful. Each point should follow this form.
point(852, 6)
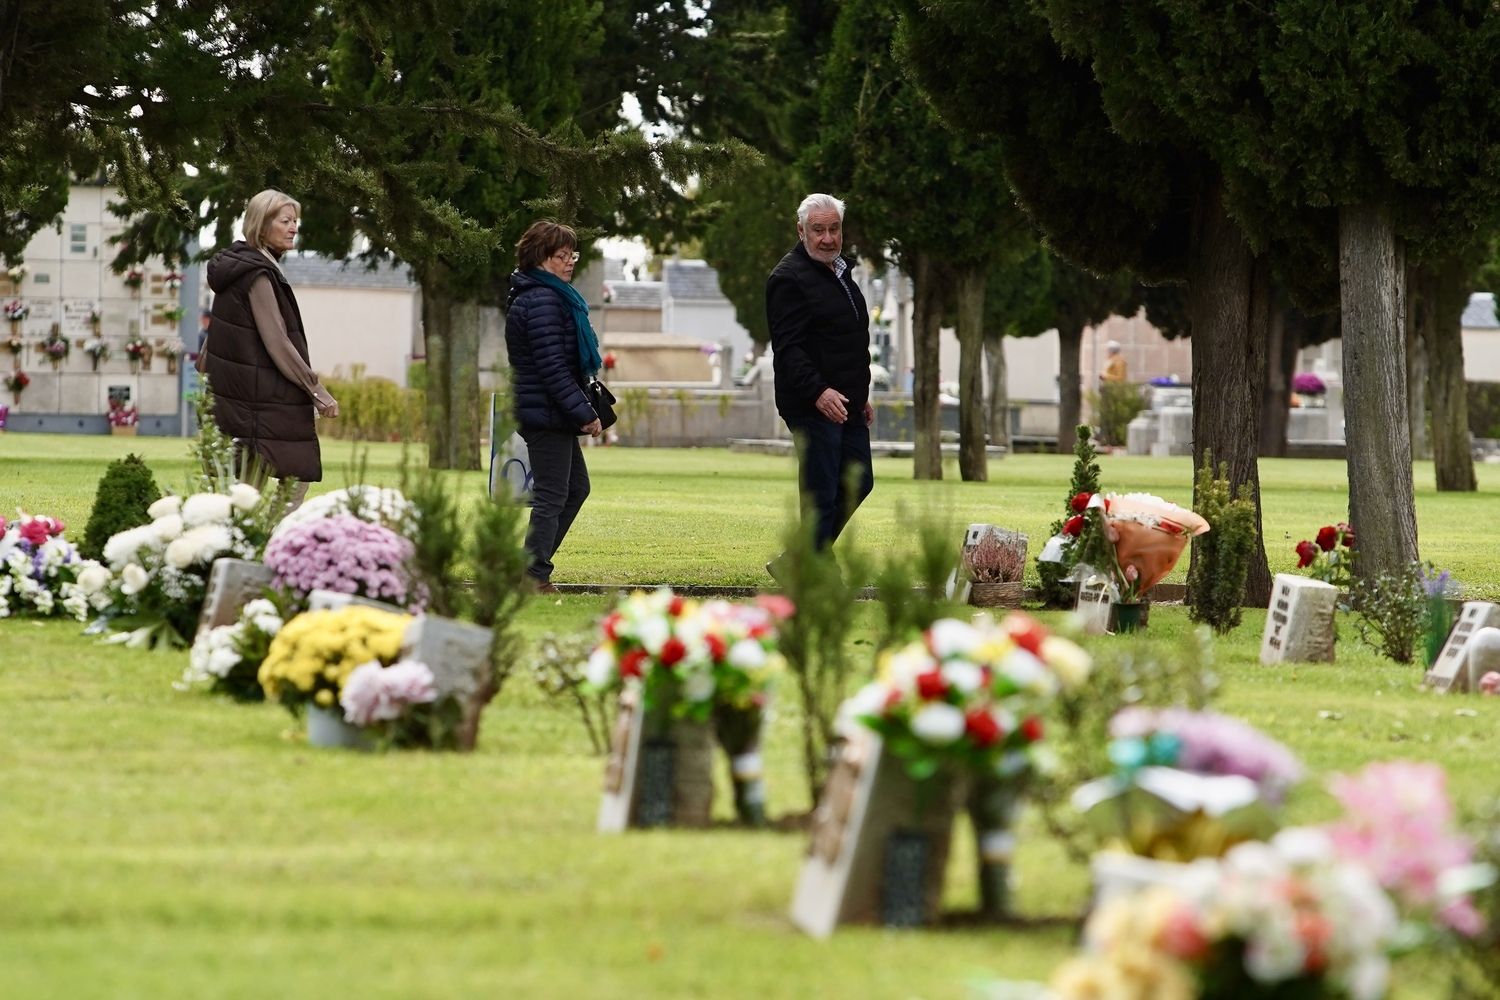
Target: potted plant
point(1310, 388)
point(172, 280)
point(965, 703)
point(16, 272)
point(139, 352)
point(15, 311)
point(122, 419)
point(16, 382)
point(995, 566)
point(97, 348)
point(172, 313)
point(1138, 539)
point(171, 350)
point(56, 347)
point(134, 277)
point(342, 669)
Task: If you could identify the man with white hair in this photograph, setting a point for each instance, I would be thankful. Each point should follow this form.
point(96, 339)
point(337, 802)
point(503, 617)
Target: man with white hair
point(820, 338)
point(1114, 366)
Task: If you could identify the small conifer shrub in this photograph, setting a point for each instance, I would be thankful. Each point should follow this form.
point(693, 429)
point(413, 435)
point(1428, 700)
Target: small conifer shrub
point(1216, 583)
point(125, 490)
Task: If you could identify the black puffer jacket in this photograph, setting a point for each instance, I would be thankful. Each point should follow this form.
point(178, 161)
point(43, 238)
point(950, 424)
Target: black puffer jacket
point(254, 403)
point(820, 335)
point(546, 376)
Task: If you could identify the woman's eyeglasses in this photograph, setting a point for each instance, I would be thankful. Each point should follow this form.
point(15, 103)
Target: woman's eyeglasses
point(566, 256)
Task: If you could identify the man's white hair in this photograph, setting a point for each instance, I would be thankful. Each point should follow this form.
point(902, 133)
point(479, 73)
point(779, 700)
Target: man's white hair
point(818, 201)
point(1112, 346)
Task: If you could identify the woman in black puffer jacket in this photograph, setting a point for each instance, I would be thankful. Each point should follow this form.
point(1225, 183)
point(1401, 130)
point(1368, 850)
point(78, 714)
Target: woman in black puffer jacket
point(553, 354)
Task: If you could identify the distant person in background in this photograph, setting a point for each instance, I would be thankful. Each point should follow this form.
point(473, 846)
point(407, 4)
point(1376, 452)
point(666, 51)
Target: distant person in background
point(1114, 365)
point(820, 340)
point(255, 354)
point(553, 354)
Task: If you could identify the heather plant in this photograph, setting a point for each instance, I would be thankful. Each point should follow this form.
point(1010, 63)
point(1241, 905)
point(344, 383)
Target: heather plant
point(995, 559)
point(125, 491)
point(1069, 533)
point(1221, 559)
point(1393, 609)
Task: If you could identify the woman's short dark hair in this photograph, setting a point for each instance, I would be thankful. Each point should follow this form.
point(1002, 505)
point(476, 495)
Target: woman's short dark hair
point(541, 240)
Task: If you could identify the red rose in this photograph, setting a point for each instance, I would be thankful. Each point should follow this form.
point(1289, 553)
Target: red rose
point(631, 663)
point(1348, 534)
point(1080, 502)
point(611, 623)
point(1032, 729)
point(1074, 526)
point(1306, 553)
point(672, 651)
point(675, 608)
point(34, 531)
point(716, 647)
point(930, 685)
point(1328, 537)
point(982, 728)
point(1025, 632)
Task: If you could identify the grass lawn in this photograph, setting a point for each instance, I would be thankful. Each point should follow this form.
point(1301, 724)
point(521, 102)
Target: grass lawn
point(159, 844)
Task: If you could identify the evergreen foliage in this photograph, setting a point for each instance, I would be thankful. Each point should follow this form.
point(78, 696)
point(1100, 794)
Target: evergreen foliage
point(912, 587)
point(814, 638)
point(1055, 591)
point(125, 490)
point(1221, 558)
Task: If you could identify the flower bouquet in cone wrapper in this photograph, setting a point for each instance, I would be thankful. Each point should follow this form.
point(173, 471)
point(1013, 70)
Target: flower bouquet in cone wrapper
point(1142, 538)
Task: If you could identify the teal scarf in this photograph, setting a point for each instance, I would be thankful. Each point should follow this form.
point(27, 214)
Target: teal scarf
point(588, 341)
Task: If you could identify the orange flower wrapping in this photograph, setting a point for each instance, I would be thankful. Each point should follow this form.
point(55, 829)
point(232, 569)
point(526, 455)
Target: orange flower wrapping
point(1149, 535)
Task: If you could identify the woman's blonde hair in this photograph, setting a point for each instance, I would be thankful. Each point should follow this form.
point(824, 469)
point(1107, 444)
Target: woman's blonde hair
point(260, 210)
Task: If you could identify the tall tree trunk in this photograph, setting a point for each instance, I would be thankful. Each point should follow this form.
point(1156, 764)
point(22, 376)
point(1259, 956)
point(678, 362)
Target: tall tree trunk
point(1381, 506)
point(999, 396)
point(450, 331)
point(973, 460)
point(1447, 391)
point(1418, 321)
point(1069, 391)
point(1277, 391)
point(1229, 306)
point(927, 319)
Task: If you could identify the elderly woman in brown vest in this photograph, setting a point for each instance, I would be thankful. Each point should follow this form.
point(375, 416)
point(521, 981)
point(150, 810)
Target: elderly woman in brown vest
point(255, 354)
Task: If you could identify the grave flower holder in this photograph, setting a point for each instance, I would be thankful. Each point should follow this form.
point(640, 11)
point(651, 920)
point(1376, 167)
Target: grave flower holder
point(994, 808)
point(738, 731)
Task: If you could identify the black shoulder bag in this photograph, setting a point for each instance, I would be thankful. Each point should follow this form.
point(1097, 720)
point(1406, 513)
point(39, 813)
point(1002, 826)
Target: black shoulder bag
point(603, 402)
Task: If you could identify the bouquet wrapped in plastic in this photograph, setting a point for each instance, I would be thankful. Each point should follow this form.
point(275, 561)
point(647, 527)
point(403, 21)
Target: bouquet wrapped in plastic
point(1142, 538)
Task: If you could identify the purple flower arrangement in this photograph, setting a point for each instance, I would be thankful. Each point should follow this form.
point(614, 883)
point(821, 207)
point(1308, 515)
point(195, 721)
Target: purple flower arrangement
point(1208, 743)
point(1308, 384)
point(347, 555)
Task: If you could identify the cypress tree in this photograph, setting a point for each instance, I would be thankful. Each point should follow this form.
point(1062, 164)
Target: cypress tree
point(125, 490)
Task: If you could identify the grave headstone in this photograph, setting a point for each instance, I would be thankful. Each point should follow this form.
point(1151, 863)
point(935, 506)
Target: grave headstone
point(333, 600)
point(458, 654)
point(869, 804)
point(1449, 672)
point(1299, 622)
point(232, 584)
point(664, 781)
point(1482, 655)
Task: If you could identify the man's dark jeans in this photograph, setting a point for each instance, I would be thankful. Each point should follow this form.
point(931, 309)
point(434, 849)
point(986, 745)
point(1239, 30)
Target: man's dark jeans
point(834, 471)
point(559, 486)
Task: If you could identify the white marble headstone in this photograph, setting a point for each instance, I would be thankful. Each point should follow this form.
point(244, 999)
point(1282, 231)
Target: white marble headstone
point(1481, 656)
point(1299, 622)
point(622, 764)
point(232, 584)
point(1449, 671)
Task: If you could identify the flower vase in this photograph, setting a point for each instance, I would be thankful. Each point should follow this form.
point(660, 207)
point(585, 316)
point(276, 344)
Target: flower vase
point(56, 362)
point(327, 728)
point(15, 327)
point(171, 366)
point(994, 806)
point(122, 430)
point(653, 798)
point(15, 398)
point(145, 362)
point(903, 886)
point(94, 361)
point(135, 366)
point(1129, 618)
point(739, 733)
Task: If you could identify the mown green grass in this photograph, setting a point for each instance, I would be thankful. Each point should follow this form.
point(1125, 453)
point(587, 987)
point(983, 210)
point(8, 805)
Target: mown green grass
point(713, 516)
point(155, 843)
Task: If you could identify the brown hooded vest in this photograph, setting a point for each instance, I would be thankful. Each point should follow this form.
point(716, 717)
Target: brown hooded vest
point(263, 410)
